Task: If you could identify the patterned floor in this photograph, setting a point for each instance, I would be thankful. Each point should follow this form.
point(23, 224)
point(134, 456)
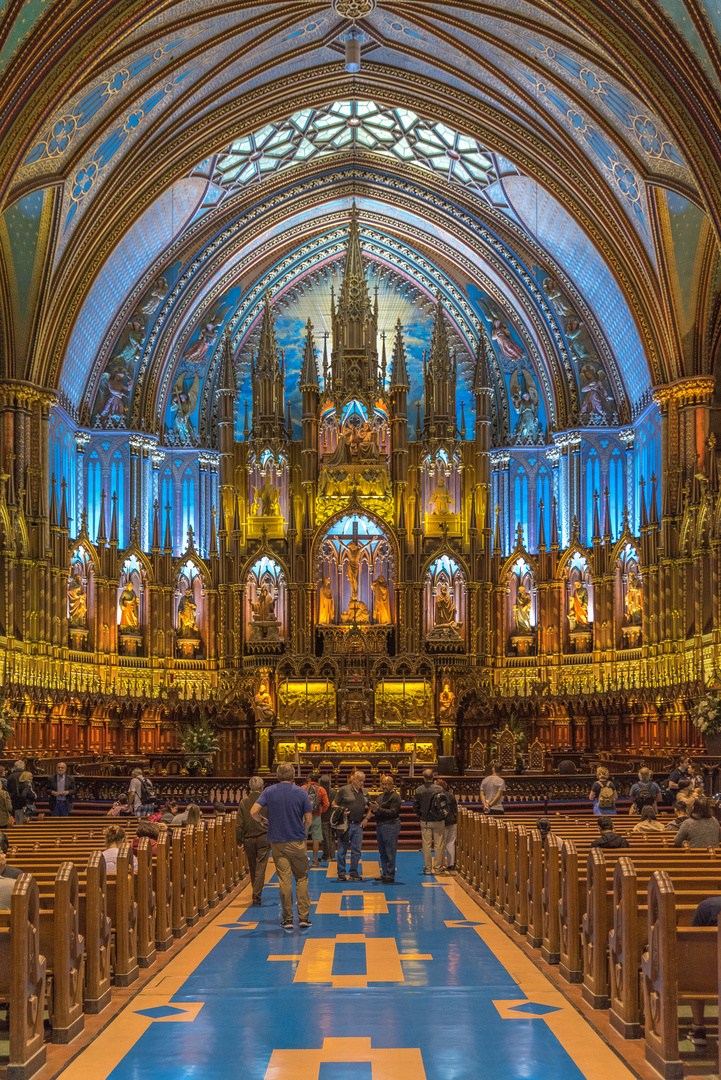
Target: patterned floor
point(391, 982)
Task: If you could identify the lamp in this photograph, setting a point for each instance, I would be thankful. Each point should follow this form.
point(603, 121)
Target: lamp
point(352, 52)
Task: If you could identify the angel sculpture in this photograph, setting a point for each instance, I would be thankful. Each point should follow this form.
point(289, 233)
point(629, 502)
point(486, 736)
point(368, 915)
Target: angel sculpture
point(182, 406)
point(526, 401)
point(596, 397)
point(155, 296)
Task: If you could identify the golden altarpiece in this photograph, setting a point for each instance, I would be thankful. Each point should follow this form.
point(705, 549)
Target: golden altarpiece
point(357, 601)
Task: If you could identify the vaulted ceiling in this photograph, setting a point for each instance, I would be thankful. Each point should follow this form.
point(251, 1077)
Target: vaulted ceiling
point(535, 162)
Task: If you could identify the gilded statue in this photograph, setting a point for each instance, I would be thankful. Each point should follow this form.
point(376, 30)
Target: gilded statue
point(441, 500)
point(187, 616)
point(353, 551)
point(447, 701)
point(445, 613)
point(263, 607)
point(382, 605)
point(77, 602)
point(269, 496)
point(129, 608)
point(578, 607)
point(522, 610)
point(634, 600)
point(326, 604)
point(263, 706)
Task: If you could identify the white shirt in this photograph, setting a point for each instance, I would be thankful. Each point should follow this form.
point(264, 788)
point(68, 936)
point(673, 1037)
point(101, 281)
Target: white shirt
point(490, 786)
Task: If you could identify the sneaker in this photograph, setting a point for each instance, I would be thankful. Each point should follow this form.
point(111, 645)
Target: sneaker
point(697, 1035)
point(427, 871)
point(288, 925)
point(355, 877)
point(342, 877)
point(304, 923)
point(257, 903)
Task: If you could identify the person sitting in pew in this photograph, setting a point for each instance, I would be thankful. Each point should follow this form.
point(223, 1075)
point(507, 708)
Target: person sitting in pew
point(168, 811)
point(6, 809)
point(6, 871)
point(680, 815)
point(114, 837)
point(701, 829)
point(218, 809)
point(190, 816)
point(706, 914)
point(544, 827)
point(149, 829)
point(649, 822)
point(6, 889)
point(609, 838)
point(120, 807)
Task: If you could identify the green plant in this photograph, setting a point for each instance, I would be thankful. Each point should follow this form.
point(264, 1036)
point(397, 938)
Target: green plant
point(707, 713)
point(198, 742)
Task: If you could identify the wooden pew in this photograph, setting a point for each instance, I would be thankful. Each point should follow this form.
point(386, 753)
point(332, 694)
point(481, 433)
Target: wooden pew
point(22, 979)
point(145, 898)
point(679, 962)
point(123, 912)
point(163, 894)
point(98, 934)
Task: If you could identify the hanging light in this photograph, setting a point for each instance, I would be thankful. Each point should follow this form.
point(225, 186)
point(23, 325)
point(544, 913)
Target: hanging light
point(352, 52)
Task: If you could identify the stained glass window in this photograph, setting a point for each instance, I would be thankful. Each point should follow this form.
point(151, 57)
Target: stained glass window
point(356, 125)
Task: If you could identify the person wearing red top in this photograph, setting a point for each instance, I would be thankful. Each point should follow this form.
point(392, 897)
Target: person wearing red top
point(319, 801)
point(149, 829)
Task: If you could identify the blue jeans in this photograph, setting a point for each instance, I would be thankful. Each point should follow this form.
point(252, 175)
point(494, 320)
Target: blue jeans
point(352, 838)
point(387, 833)
point(61, 808)
point(603, 811)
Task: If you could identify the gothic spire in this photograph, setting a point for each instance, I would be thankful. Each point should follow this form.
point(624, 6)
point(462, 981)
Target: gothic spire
point(541, 528)
point(53, 503)
point(155, 541)
point(399, 368)
point(482, 379)
point(354, 297)
point(213, 549)
point(439, 382)
point(114, 520)
point(596, 521)
point(555, 543)
point(309, 368)
point(226, 381)
point(268, 357)
point(102, 536)
point(168, 542)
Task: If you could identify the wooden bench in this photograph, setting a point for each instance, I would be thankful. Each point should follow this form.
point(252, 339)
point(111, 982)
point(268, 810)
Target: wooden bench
point(22, 980)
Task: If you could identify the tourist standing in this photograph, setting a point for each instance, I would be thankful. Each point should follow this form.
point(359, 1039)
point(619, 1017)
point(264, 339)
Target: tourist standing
point(13, 789)
point(493, 788)
point(252, 836)
point(433, 823)
point(603, 793)
point(386, 809)
point(353, 800)
point(451, 824)
point(289, 817)
point(319, 802)
point(141, 793)
point(328, 838)
point(62, 791)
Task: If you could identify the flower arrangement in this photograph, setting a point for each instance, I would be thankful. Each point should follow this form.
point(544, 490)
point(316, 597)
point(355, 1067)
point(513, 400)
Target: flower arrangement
point(707, 713)
point(7, 715)
point(199, 743)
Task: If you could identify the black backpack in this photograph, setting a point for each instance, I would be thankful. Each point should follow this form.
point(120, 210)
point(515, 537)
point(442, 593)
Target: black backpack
point(440, 807)
point(644, 796)
point(314, 797)
point(147, 791)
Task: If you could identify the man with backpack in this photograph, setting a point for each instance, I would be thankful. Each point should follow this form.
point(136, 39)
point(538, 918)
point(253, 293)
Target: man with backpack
point(319, 804)
point(645, 793)
point(603, 793)
point(141, 793)
point(431, 804)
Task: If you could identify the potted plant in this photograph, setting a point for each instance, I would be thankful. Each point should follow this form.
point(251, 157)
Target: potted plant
point(198, 743)
point(707, 720)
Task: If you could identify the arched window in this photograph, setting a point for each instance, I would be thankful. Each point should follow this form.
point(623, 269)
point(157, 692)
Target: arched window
point(543, 495)
point(117, 487)
point(93, 488)
point(593, 484)
point(167, 499)
point(520, 502)
point(616, 492)
point(188, 505)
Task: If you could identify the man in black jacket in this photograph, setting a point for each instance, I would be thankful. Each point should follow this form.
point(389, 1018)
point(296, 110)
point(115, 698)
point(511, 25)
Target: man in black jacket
point(608, 837)
point(14, 791)
point(433, 828)
point(386, 808)
point(62, 791)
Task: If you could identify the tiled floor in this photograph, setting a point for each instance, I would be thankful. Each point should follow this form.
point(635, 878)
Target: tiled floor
point(391, 982)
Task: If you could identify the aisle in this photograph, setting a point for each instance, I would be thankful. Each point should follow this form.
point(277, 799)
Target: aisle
point(391, 982)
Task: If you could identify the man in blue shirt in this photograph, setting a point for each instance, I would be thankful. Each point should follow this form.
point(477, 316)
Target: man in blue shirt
point(290, 815)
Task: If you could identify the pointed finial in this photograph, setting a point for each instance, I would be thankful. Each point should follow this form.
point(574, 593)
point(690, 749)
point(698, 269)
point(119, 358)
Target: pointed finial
point(213, 550)
point(555, 543)
point(643, 515)
point(596, 521)
point(541, 528)
point(497, 549)
point(155, 541)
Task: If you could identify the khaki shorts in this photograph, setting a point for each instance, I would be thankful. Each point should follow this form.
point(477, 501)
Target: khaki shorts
point(315, 832)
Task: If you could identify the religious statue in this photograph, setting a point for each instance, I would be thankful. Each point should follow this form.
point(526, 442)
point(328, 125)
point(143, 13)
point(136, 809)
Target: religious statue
point(634, 600)
point(447, 701)
point(367, 443)
point(269, 496)
point(526, 401)
point(263, 706)
point(182, 406)
point(382, 606)
point(596, 398)
point(326, 605)
point(77, 602)
point(187, 614)
point(445, 614)
point(264, 607)
point(129, 608)
point(578, 607)
point(353, 551)
point(441, 500)
point(502, 336)
point(522, 611)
